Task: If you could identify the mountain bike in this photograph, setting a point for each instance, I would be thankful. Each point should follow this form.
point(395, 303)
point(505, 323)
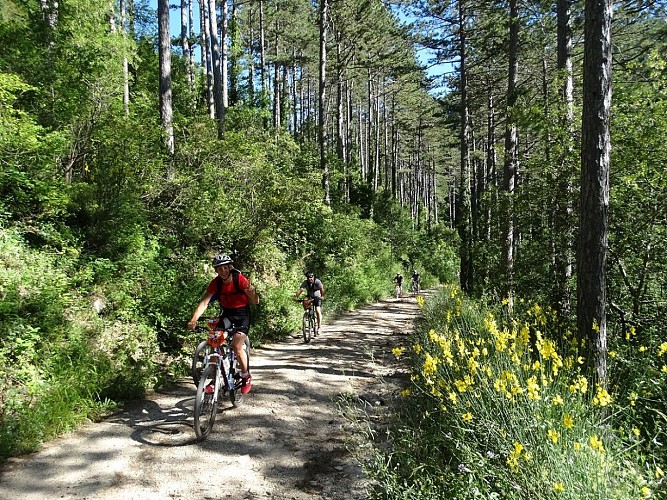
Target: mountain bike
point(399, 291)
point(309, 321)
point(203, 350)
point(414, 286)
point(220, 375)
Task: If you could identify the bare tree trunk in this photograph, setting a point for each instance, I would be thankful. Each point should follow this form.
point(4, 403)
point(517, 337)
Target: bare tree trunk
point(126, 69)
point(511, 150)
point(224, 56)
point(276, 80)
point(251, 56)
point(206, 56)
point(217, 73)
point(185, 43)
point(191, 31)
point(262, 46)
point(324, 164)
point(166, 111)
point(594, 196)
point(463, 212)
point(564, 205)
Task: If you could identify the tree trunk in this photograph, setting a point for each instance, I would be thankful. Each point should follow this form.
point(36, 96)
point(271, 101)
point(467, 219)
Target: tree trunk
point(224, 54)
point(322, 126)
point(564, 207)
point(511, 146)
point(594, 197)
point(126, 69)
point(185, 43)
point(262, 47)
point(215, 67)
point(206, 56)
point(463, 212)
point(166, 111)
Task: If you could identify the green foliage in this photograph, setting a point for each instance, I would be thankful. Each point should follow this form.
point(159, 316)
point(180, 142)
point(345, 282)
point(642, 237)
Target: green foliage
point(60, 363)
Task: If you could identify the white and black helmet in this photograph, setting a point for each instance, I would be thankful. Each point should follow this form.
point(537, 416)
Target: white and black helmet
point(222, 259)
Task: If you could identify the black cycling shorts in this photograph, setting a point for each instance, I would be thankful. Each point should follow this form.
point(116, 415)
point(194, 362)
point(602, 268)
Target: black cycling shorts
point(317, 301)
point(240, 318)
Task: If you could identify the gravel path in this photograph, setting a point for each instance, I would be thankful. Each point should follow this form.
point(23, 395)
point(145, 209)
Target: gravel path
point(288, 441)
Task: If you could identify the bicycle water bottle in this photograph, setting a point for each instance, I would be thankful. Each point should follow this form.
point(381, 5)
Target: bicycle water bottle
point(225, 365)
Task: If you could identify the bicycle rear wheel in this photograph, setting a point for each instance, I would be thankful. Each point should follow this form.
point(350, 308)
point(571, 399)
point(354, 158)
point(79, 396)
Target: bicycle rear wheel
point(206, 407)
point(198, 360)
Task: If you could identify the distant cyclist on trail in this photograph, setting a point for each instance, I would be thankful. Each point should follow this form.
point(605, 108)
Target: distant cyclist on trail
point(314, 290)
point(415, 281)
point(234, 292)
point(398, 279)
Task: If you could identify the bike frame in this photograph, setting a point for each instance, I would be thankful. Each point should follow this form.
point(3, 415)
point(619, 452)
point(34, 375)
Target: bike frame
point(309, 317)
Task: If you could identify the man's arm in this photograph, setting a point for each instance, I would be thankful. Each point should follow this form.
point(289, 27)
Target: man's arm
point(298, 292)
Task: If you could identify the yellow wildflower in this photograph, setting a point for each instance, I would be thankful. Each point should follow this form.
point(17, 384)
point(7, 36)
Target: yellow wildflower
point(558, 400)
point(568, 421)
point(633, 398)
point(430, 364)
point(662, 349)
point(579, 384)
point(559, 487)
point(642, 348)
point(602, 398)
point(646, 492)
point(405, 393)
point(636, 432)
point(596, 444)
point(553, 436)
point(533, 389)
point(398, 351)
point(612, 354)
point(420, 301)
point(417, 348)
point(466, 417)
point(452, 397)
point(577, 446)
point(513, 458)
point(461, 385)
point(659, 474)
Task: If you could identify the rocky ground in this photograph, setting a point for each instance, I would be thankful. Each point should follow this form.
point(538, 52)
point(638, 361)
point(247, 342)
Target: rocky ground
point(288, 441)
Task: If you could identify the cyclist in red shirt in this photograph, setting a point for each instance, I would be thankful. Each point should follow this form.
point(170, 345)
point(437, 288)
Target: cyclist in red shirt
point(234, 292)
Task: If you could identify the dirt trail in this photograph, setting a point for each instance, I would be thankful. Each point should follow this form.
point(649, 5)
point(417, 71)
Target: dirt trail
point(286, 442)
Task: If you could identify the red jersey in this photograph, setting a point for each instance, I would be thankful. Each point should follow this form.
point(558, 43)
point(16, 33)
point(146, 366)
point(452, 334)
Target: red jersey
point(229, 296)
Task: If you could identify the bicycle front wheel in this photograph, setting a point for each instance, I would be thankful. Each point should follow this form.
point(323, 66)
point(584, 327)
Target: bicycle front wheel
point(305, 327)
point(206, 407)
point(313, 325)
point(198, 360)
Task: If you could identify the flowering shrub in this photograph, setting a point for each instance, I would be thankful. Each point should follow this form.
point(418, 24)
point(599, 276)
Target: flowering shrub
point(505, 408)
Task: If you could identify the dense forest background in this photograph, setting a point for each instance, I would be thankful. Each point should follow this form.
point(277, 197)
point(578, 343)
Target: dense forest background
point(297, 135)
